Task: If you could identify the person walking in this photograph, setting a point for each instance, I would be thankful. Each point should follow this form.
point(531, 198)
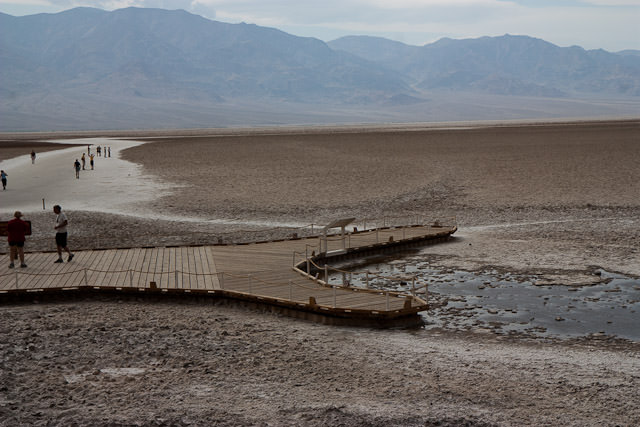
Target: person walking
point(3, 176)
point(91, 160)
point(84, 161)
point(99, 150)
point(33, 157)
point(76, 166)
point(16, 230)
point(61, 234)
point(109, 151)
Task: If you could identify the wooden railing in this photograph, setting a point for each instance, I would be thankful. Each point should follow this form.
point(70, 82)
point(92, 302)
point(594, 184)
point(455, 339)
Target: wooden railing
point(305, 262)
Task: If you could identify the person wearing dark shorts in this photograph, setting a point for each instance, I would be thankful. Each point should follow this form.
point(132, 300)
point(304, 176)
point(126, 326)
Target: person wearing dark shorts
point(17, 229)
point(76, 166)
point(61, 233)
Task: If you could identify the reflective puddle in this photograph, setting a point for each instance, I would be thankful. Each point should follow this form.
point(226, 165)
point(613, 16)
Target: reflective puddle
point(509, 304)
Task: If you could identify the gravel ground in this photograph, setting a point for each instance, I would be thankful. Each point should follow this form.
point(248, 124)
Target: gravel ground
point(138, 363)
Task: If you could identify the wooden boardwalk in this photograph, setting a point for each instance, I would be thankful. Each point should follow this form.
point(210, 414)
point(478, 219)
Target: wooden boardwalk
point(257, 272)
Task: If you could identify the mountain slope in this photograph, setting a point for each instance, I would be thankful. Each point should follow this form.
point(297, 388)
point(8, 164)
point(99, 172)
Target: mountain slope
point(512, 65)
point(145, 68)
point(153, 52)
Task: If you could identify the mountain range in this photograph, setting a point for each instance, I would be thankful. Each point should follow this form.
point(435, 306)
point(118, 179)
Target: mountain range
point(87, 68)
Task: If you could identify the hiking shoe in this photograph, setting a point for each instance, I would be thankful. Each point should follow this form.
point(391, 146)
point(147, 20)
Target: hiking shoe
point(58, 261)
point(11, 265)
point(70, 258)
point(23, 265)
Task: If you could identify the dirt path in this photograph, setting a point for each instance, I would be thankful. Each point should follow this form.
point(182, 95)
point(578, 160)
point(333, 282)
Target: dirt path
point(114, 185)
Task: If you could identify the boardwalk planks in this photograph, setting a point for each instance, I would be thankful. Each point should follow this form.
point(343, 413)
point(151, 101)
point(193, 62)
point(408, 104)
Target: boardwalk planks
point(262, 271)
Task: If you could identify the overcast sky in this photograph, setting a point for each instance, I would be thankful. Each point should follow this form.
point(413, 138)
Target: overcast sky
point(609, 24)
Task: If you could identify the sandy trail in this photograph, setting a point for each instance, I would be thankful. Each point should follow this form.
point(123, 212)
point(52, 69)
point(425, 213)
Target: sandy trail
point(115, 185)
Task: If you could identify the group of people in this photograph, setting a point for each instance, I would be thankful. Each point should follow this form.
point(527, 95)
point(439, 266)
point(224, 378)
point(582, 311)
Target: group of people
point(107, 150)
point(100, 150)
point(83, 160)
point(78, 165)
point(17, 229)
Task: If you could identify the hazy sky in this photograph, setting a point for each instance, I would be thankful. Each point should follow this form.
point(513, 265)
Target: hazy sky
point(609, 24)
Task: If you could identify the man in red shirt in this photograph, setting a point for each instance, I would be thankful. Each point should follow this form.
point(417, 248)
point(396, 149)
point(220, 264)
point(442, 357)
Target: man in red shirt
point(16, 229)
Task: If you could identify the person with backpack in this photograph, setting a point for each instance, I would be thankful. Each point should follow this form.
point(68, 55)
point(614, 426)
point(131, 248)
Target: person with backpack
point(16, 230)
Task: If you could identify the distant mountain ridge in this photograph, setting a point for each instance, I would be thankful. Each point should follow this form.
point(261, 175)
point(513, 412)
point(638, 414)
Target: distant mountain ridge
point(511, 65)
point(135, 67)
point(154, 52)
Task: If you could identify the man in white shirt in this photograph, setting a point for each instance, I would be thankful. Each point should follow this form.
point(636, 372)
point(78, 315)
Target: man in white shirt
point(61, 233)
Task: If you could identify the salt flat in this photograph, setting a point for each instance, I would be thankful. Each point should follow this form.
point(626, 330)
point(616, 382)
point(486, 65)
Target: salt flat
point(114, 185)
point(557, 200)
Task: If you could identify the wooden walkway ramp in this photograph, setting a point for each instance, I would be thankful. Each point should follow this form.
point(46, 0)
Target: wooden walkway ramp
point(260, 273)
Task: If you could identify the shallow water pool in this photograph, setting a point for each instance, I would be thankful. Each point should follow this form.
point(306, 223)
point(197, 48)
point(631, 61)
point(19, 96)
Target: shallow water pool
point(510, 304)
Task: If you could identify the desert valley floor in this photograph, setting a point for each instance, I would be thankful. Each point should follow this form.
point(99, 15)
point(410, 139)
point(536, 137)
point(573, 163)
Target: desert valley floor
point(552, 204)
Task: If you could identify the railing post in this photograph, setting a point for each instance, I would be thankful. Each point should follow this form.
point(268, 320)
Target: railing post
point(86, 282)
point(176, 273)
point(249, 279)
point(426, 293)
point(16, 280)
point(377, 231)
point(306, 256)
point(334, 296)
point(326, 274)
point(222, 280)
point(290, 290)
point(367, 280)
point(413, 286)
point(130, 279)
